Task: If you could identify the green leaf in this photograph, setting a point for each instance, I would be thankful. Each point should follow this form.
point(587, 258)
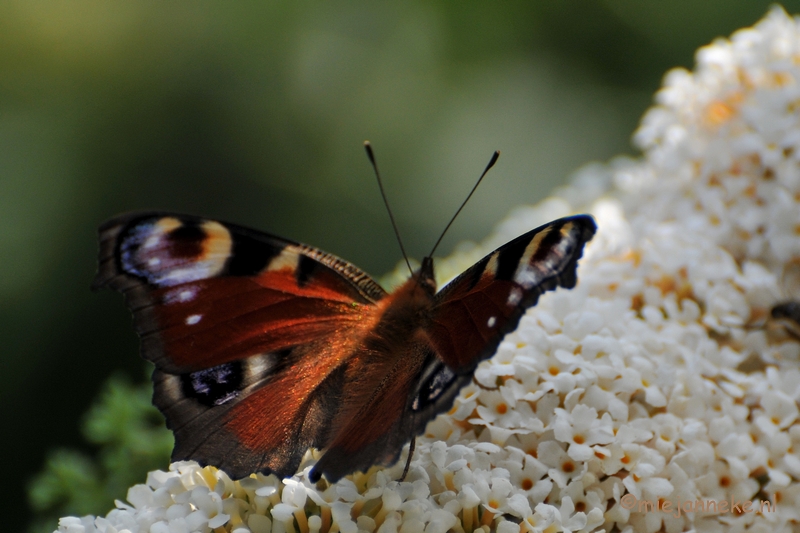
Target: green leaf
point(130, 440)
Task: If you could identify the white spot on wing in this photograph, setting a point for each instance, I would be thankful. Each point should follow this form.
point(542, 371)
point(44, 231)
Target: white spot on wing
point(191, 320)
point(152, 241)
point(528, 276)
point(259, 366)
point(186, 295)
point(182, 295)
point(491, 322)
point(170, 384)
point(514, 297)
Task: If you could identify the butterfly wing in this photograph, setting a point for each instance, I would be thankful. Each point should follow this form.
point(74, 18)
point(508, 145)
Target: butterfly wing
point(408, 394)
point(468, 319)
point(228, 314)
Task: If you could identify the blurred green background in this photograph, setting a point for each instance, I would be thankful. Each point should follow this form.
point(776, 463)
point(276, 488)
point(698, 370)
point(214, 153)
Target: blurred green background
point(255, 112)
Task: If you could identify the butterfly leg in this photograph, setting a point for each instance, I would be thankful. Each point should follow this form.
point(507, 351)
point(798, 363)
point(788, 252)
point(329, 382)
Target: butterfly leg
point(411, 447)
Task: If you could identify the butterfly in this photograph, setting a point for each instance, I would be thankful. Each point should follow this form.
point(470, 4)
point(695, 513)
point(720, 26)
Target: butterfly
point(264, 347)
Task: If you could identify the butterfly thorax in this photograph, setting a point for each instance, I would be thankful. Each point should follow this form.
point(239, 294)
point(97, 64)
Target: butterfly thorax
point(406, 311)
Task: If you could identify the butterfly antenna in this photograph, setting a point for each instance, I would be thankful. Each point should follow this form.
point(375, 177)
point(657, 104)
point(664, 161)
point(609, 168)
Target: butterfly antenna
point(492, 161)
point(368, 148)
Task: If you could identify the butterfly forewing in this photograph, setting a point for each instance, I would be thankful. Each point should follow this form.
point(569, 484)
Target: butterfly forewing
point(205, 293)
point(474, 311)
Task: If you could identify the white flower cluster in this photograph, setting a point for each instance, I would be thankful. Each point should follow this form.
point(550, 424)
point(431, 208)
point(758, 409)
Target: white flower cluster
point(658, 395)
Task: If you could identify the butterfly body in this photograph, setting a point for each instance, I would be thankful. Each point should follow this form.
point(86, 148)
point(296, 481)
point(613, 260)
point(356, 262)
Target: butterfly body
point(265, 347)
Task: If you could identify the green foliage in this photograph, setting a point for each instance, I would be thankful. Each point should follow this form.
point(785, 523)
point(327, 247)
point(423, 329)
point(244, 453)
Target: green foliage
point(130, 440)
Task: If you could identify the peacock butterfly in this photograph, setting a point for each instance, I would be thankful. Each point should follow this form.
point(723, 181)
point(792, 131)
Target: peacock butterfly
point(265, 347)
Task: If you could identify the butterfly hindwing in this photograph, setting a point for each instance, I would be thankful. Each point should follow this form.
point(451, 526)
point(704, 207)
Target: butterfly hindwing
point(409, 394)
point(261, 427)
